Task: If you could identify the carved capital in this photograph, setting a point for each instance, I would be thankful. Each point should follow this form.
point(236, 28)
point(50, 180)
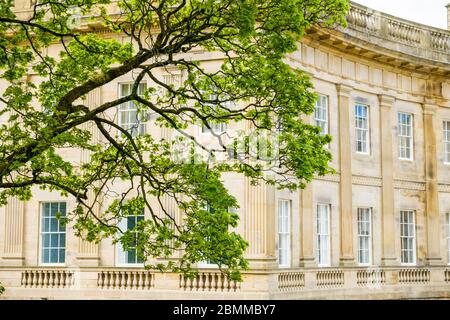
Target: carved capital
point(386, 101)
point(344, 90)
point(429, 108)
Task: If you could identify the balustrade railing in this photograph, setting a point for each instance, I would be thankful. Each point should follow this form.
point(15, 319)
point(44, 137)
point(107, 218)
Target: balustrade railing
point(394, 29)
point(125, 279)
point(368, 278)
point(330, 278)
point(47, 278)
point(413, 276)
point(208, 281)
point(290, 281)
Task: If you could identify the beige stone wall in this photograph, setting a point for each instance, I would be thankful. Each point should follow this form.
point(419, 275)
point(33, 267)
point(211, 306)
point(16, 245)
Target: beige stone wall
point(348, 70)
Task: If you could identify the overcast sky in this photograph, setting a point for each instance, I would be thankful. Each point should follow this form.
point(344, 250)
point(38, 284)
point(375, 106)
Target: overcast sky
point(429, 12)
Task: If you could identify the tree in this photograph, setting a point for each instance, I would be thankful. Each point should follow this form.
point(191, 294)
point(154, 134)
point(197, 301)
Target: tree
point(253, 85)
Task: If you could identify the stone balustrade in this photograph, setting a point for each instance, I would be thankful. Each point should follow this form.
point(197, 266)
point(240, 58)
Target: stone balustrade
point(300, 283)
point(208, 281)
point(330, 278)
point(398, 34)
point(47, 278)
point(370, 277)
point(414, 276)
point(125, 279)
point(288, 281)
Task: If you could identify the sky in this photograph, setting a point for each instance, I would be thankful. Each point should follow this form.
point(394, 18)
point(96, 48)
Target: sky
point(429, 12)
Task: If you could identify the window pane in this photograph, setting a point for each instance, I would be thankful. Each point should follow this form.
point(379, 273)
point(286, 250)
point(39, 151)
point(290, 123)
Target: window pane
point(405, 135)
point(407, 233)
point(129, 256)
point(447, 141)
point(364, 235)
point(321, 114)
point(62, 255)
point(323, 252)
point(129, 117)
point(52, 233)
point(283, 232)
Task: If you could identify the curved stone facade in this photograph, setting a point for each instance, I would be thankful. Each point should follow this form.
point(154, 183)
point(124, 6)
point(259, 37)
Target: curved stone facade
point(386, 88)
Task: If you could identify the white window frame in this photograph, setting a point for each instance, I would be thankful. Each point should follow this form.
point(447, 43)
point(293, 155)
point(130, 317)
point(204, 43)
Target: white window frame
point(206, 264)
point(59, 232)
point(120, 252)
point(448, 237)
point(216, 128)
point(364, 226)
point(446, 141)
point(364, 130)
point(140, 126)
point(284, 233)
point(408, 236)
point(321, 114)
point(322, 237)
point(403, 136)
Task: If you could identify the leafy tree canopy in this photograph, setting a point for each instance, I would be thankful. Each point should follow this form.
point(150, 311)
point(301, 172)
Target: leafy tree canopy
point(253, 85)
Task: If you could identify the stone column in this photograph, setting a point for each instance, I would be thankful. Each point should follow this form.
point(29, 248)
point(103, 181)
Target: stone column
point(307, 254)
point(260, 225)
point(13, 251)
point(432, 204)
point(388, 256)
point(347, 257)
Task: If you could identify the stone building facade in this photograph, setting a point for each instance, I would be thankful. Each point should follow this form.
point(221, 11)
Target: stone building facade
point(378, 228)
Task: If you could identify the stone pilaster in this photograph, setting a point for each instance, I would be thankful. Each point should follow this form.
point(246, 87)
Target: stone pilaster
point(171, 208)
point(307, 254)
point(88, 252)
point(448, 16)
point(433, 256)
point(22, 4)
point(13, 251)
point(260, 225)
point(345, 189)
point(388, 256)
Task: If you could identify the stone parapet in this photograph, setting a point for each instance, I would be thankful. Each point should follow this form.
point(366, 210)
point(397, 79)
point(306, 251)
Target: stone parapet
point(299, 283)
point(411, 38)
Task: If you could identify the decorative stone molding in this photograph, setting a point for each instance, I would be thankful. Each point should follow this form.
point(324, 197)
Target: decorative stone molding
point(443, 187)
point(344, 90)
point(329, 178)
point(409, 185)
point(386, 100)
point(429, 107)
point(367, 181)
